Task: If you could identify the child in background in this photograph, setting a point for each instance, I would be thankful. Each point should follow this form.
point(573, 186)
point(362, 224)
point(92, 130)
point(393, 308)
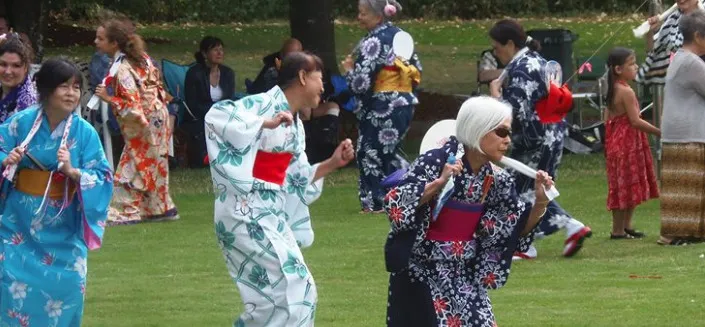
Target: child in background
point(630, 170)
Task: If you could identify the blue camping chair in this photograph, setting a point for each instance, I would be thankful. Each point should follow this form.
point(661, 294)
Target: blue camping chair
point(340, 85)
point(174, 81)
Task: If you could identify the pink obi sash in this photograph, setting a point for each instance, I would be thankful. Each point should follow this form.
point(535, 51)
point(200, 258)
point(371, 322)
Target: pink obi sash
point(271, 167)
point(457, 221)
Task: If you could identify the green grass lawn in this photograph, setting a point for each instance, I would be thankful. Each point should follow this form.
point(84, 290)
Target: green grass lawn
point(172, 274)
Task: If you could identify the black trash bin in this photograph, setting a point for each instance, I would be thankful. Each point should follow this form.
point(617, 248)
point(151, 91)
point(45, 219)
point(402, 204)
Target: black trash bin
point(557, 44)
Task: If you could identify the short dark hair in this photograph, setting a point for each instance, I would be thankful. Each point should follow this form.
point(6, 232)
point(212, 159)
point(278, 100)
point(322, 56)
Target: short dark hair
point(295, 62)
point(207, 43)
point(53, 73)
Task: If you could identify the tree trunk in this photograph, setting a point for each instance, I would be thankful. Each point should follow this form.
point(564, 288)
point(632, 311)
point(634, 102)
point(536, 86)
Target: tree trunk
point(30, 16)
point(312, 23)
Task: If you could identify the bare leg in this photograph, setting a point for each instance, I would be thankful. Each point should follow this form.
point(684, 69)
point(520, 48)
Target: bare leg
point(618, 222)
point(628, 213)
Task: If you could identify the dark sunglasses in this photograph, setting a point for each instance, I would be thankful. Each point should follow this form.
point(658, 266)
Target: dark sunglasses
point(503, 132)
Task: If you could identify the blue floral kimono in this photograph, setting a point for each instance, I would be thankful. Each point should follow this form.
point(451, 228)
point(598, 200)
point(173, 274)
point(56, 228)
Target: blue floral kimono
point(384, 117)
point(446, 282)
point(538, 145)
point(43, 256)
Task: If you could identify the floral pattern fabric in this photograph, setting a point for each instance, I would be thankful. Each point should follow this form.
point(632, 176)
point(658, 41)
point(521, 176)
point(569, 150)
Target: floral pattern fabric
point(538, 145)
point(384, 117)
point(631, 178)
point(142, 175)
point(43, 253)
point(20, 98)
point(448, 281)
point(260, 225)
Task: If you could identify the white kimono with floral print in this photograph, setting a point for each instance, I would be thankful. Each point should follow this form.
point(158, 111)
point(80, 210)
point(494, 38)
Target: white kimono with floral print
point(261, 225)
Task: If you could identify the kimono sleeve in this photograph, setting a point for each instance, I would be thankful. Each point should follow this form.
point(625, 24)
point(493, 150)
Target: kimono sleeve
point(127, 101)
point(526, 87)
point(373, 56)
point(8, 136)
point(298, 218)
point(504, 219)
point(300, 180)
point(301, 192)
point(95, 187)
point(233, 130)
point(402, 202)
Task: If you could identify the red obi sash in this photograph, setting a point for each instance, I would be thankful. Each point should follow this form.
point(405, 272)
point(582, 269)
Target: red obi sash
point(271, 167)
point(457, 221)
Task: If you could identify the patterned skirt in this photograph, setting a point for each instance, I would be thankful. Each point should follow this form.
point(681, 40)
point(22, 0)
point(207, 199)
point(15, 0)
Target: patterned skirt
point(683, 191)
point(630, 168)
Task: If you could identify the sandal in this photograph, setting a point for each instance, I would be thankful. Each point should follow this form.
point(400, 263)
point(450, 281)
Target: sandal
point(676, 241)
point(625, 236)
point(635, 233)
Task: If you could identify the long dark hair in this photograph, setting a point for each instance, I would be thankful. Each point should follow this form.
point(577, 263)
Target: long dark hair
point(509, 30)
point(295, 62)
point(207, 43)
point(617, 57)
point(53, 73)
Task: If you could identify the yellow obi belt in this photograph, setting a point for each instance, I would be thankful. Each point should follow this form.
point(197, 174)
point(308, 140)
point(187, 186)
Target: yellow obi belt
point(34, 182)
point(399, 77)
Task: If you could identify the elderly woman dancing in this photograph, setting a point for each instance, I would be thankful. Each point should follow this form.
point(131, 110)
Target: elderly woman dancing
point(383, 85)
point(265, 184)
point(441, 269)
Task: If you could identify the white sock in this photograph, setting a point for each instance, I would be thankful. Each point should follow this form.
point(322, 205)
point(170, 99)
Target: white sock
point(573, 226)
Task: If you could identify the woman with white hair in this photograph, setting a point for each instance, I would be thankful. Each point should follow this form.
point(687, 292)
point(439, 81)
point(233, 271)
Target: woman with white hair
point(441, 269)
point(384, 85)
point(683, 139)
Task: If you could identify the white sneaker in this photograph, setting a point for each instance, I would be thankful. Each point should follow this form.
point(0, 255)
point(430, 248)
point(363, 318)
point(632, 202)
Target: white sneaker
point(574, 241)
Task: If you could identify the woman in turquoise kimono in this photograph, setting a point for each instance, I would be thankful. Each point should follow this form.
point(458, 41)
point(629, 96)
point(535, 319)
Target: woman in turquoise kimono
point(56, 188)
point(264, 185)
point(384, 86)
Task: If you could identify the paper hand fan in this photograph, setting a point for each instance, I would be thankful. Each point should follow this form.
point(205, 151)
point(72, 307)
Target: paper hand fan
point(403, 45)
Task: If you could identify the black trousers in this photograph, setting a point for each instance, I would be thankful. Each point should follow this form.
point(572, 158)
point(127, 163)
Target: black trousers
point(409, 303)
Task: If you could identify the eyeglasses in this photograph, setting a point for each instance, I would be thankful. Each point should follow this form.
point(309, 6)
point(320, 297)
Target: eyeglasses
point(503, 132)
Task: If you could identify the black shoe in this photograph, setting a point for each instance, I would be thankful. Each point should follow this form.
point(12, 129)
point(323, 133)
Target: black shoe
point(634, 233)
point(621, 237)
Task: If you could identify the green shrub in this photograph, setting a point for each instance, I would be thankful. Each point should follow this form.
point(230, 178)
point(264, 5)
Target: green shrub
point(223, 11)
